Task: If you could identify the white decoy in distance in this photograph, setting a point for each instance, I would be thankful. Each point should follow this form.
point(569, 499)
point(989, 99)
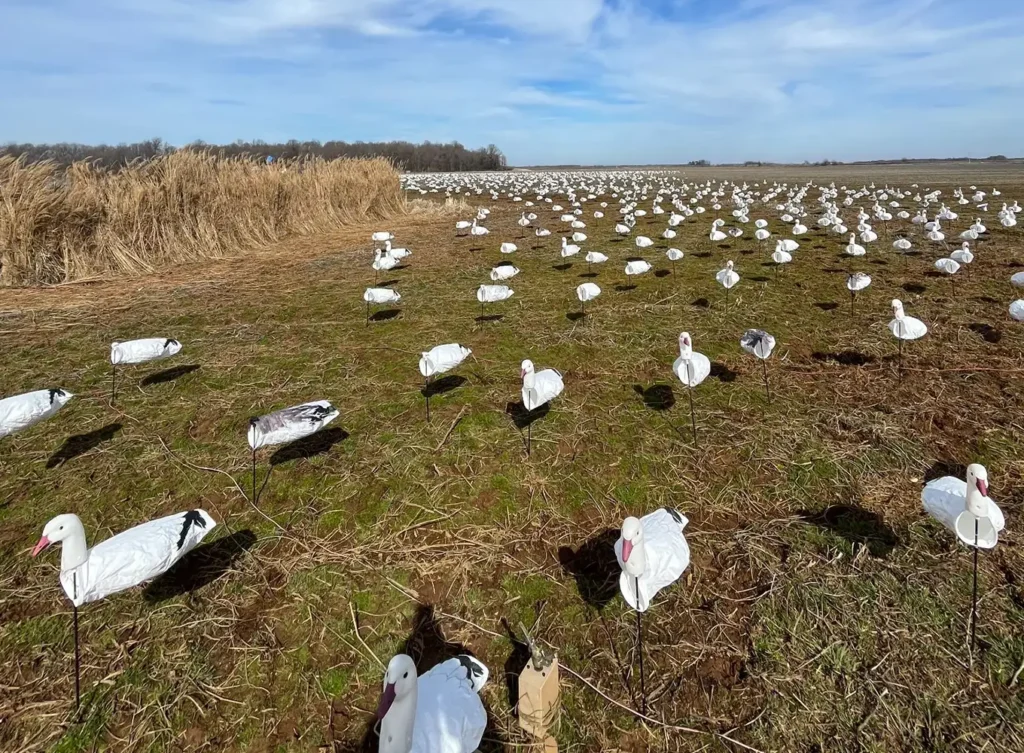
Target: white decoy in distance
point(569, 249)
point(377, 296)
point(286, 426)
point(853, 248)
point(948, 267)
point(504, 272)
point(539, 388)
point(128, 559)
point(716, 235)
point(965, 508)
point(381, 236)
point(523, 223)
point(478, 230)
point(508, 248)
point(396, 253)
point(588, 291)
point(727, 278)
point(674, 255)
point(595, 257)
point(759, 344)
point(139, 351)
point(542, 232)
point(1017, 310)
point(439, 712)
point(579, 237)
point(382, 262)
point(855, 283)
point(781, 257)
point(963, 256)
point(637, 267)
point(461, 226)
point(19, 412)
point(439, 360)
point(904, 327)
point(652, 553)
point(692, 369)
point(787, 244)
point(492, 294)
point(642, 241)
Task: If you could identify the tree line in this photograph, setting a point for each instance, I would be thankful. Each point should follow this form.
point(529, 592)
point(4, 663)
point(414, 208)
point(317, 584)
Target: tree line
point(425, 157)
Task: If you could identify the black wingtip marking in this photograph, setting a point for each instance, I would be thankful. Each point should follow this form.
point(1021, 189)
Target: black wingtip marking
point(170, 341)
point(192, 517)
point(54, 393)
point(676, 515)
point(473, 666)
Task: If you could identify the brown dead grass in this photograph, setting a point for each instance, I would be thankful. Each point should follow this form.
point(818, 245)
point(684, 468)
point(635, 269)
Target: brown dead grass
point(90, 223)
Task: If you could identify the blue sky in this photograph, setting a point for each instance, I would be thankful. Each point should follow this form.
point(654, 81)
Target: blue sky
point(548, 81)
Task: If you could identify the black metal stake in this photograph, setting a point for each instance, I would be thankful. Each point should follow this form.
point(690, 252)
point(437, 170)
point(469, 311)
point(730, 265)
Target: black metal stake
point(529, 437)
point(367, 313)
point(974, 595)
point(78, 656)
point(693, 418)
point(640, 649)
point(426, 394)
point(254, 475)
point(764, 370)
point(899, 366)
point(853, 297)
point(113, 381)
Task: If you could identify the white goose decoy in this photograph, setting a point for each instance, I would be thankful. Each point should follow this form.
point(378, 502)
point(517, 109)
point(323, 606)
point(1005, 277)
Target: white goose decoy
point(492, 294)
point(853, 248)
point(382, 262)
point(855, 283)
point(652, 553)
point(674, 255)
point(963, 256)
point(692, 369)
point(1017, 310)
point(642, 241)
point(595, 257)
point(439, 360)
point(440, 712)
point(759, 344)
point(904, 327)
point(382, 236)
point(461, 226)
point(509, 248)
point(286, 426)
point(504, 272)
point(128, 559)
point(948, 267)
point(139, 351)
point(781, 257)
point(569, 249)
point(1017, 279)
point(396, 253)
point(588, 291)
point(727, 278)
point(377, 296)
point(542, 232)
point(539, 388)
point(965, 508)
point(787, 244)
point(637, 267)
point(478, 230)
point(19, 412)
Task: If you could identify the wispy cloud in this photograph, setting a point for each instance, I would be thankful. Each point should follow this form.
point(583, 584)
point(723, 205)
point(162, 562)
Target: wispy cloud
point(547, 80)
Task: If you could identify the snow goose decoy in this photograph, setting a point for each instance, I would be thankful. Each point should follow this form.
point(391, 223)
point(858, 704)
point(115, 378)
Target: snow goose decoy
point(594, 257)
point(377, 296)
point(504, 272)
point(139, 351)
point(539, 388)
point(653, 554)
point(440, 711)
point(948, 267)
point(286, 426)
point(855, 283)
point(964, 508)
point(396, 253)
point(674, 255)
point(1017, 310)
point(637, 267)
point(19, 412)
point(904, 327)
point(128, 559)
point(759, 344)
point(727, 278)
point(492, 294)
point(588, 291)
point(382, 262)
point(508, 248)
point(439, 360)
point(692, 369)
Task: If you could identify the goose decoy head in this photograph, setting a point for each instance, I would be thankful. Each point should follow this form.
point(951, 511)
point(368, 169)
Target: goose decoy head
point(977, 476)
point(527, 368)
point(685, 345)
point(633, 554)
point(57, 530)
point(399, 681)
point(897, 308)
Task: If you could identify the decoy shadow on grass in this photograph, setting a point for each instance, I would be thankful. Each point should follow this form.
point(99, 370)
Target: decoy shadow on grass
point(169, 375)
point(657, 396)
point(594, 567)
point(200, 567)
point(521, 417)
point(80, 444)
point(443, 385)
point(319, 443)
point(856, 525)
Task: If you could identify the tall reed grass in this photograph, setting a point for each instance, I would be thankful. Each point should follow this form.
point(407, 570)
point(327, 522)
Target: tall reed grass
point(60, 226)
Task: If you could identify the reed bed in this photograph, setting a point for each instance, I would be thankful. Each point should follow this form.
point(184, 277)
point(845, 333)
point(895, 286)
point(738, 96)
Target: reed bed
point(60, 226)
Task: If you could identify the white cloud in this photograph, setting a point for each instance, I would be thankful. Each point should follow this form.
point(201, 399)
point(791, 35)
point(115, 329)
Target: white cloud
point(548, 80)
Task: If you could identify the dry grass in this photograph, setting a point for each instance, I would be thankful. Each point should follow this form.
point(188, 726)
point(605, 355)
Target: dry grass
point(822, 611)
point(90, 223)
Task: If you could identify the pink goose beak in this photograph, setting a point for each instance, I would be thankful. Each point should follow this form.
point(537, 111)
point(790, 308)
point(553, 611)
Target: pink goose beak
point(43, 543)
point(627, 549)
point(386, 700)
point(983, 488)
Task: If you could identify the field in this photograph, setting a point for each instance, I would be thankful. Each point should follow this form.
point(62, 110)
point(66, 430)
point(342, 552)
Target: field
point(822, 611)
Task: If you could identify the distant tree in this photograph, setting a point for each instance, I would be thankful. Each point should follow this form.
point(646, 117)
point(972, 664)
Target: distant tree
point(423, 157)
point(698, 163)
point(997, 157)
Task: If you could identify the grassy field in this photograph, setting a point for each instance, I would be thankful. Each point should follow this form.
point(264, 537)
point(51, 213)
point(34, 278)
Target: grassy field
point(822, 610)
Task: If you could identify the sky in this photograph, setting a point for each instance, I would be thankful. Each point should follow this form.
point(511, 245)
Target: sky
point(547, 81)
